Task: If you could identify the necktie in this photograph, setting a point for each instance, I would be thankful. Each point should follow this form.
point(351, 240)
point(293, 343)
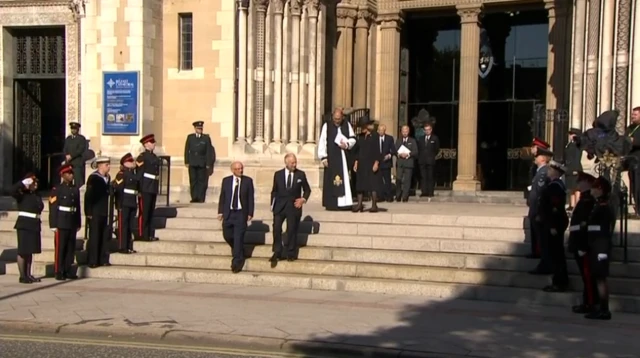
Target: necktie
point(404, 141)
point(289, 180)
point(381, 141)
point(197, 135)
point(426, 139)
point(234, 198)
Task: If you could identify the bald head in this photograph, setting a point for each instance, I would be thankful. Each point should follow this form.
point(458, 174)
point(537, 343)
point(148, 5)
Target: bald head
point(382, 129)
point(337, 116)
point(237, 168)
point(290, 161)
point(405, 131)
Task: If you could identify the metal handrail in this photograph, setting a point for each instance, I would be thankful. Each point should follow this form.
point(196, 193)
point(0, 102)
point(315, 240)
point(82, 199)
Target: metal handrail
point(165, 162)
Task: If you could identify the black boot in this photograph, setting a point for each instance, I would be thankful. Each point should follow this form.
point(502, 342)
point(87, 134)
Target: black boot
point(358, 207)
point(374, 202)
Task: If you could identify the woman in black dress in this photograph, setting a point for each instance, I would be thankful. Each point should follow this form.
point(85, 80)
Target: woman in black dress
point(367, 155)
point(28, 224)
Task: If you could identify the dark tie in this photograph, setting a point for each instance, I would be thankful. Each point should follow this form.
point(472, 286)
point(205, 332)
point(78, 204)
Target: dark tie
point(381, 141)
point(289, 180)
point(404, 141)
point(234, 198)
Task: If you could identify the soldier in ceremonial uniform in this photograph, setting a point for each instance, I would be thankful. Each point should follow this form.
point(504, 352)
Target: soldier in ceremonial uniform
point(126, 192)
point(199, 157)
point(541, 159)
point(28, 225)
point(554, 223)
point(96, 209)
point(148, 174)
point(65, 221)
point(535, 144)
point(600, 231)
point(578, 241)
point(572, 161)
point(633, 163)
point(75, 148)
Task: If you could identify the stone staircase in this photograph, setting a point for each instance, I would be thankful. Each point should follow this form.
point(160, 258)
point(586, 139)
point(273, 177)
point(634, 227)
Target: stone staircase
point(440, 250)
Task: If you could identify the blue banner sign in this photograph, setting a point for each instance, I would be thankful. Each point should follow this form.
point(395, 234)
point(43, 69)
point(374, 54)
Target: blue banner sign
point(120, 103)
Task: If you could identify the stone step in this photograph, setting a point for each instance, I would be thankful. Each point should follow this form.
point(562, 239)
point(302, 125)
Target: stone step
point(528, 296)
point(464, 246)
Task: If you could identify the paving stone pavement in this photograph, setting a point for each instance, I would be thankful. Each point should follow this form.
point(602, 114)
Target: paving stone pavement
point(277, 316)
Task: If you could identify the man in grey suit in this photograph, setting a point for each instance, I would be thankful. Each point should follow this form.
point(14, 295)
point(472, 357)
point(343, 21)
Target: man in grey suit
point(405, 164)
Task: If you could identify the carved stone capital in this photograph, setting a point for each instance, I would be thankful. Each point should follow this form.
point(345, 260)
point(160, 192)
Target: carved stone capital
point(278, 6)
point(556, 8)
point(469, 14)
point(79, 8)
point(261, 5)
point(364, 18)
point(295, 7)
point(312, 7)
point(391, 20)
point(243, 4)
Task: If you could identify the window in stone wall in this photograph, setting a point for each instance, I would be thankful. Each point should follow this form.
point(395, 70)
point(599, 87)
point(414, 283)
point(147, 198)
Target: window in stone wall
point(186, 41)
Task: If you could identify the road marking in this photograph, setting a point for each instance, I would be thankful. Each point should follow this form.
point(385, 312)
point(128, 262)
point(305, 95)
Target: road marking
point(156, 346)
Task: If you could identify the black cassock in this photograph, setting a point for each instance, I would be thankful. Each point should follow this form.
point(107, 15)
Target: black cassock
point(367, 152)
point(336, 193)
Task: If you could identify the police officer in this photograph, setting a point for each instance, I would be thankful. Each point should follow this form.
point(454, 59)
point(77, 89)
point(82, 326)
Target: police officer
point(600, 231)
point(535, 144)
point(75, 148)
point(148, 174)
point(554, 223)
point(126, 192)
point(65, 221)
point(96, 209)
point(199, 157)
point(542, 157)
point(578, 241)
point(28, 225)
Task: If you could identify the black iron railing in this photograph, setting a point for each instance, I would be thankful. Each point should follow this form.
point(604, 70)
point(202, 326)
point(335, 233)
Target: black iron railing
point(619, 199)
point(54, 161)
point(165, 178)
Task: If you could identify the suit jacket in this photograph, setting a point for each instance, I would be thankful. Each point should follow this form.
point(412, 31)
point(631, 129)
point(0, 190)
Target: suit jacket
point(282, 199)
point(412, 145)
point(427, 152)
point(538, 183)
point(388, 147)
point(246, 195)
point(198, 152)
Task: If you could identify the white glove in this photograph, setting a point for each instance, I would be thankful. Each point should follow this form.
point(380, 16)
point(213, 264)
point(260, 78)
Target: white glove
point(27, 182)
point(54, 229)
point(581, 253)
point(602, 257)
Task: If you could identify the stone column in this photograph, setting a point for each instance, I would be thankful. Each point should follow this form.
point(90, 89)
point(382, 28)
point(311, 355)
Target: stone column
point(635, 71)
point(360, 69)
point(388, 73)
point(593, 45)
point(278, 9)
point(606, 81)
point(622, 62)
point(468, 112)
point(242, 72)
point(268, 71)
point(312, 8)
point(304, 70)
point(251, 74)
point(343, 76)
point(259, 83)
point(294, 137)
point(556, 87)
point(578, 63)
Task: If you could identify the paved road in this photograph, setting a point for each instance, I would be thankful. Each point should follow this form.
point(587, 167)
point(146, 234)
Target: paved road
point(56, 347)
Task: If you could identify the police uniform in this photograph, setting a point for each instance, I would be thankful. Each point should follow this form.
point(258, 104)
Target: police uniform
point(96, 209)
point(75, 146)
point(599, 244)
point(65, 220)
point(198, 155)
point(572, 162)
point(538, 183)
point(578, 245)
point(633, 132)
point(126, 192)
point(538, 143)
point(148, 174)
point(28, 225)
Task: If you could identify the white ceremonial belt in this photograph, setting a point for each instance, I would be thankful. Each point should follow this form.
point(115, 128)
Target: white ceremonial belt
point(150, 176)
point(593, 228)
point(68, 209)
point(130, 191)
point(574, 228)
point(27, 214)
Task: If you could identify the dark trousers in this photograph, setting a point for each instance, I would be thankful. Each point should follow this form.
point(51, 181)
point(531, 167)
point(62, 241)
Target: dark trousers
point(404, 176)
point(97, 246)
point(233, 231)
point(293, 222)
point(65, 248)
point(536, 232)
point(589, 290)
point(126, 217)
point(542, 237)
point(634, 183)
point(427, 180)
point(198, 180)
point(146, 206)
point(558, 259)
point(386, 192)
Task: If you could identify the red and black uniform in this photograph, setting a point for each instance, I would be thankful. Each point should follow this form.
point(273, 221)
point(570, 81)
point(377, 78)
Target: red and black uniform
point(65, 219)
point(148, 173)
point(126, 192)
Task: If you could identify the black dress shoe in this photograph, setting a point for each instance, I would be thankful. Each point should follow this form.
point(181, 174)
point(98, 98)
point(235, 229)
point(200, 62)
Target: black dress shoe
point(93, 266)
point(291, 258)
point(599, 315)
point(390, 200)
point(405, 200)
point(582, 309)
point(25, 280)
point(193, 201)
point(132, 252)
point(71, 276)
point(106, 264)
point(398, 199)
point(154, 239)
point(34, 279)
point(235, 269)
point(60, 277)
point(126, 252)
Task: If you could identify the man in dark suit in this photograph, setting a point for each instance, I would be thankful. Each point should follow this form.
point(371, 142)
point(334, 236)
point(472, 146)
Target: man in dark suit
point(235, 210)
point(428, 149)
point(388, 150)
point(290, 192)
point(405, 163)
point(199, 157)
